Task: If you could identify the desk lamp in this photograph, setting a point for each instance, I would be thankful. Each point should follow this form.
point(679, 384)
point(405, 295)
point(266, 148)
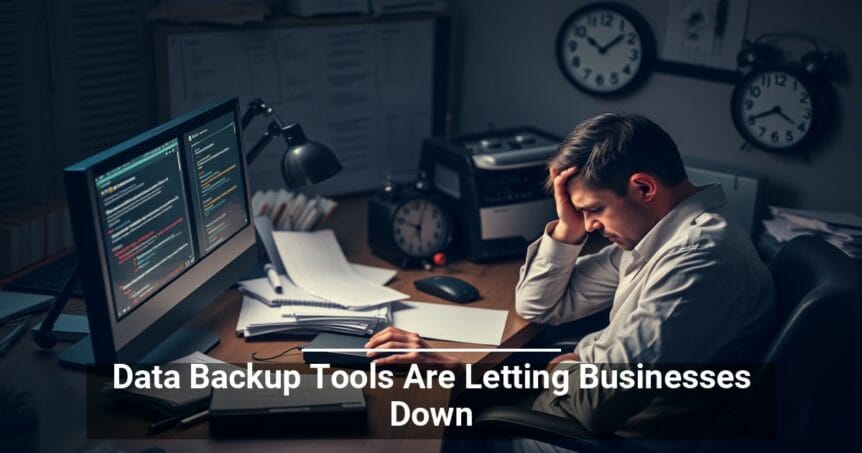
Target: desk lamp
point(304, 163)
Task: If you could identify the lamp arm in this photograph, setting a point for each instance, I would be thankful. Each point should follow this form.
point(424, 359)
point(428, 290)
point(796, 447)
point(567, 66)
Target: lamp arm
point(255, 108)
point(292, 132)
point(271, 132)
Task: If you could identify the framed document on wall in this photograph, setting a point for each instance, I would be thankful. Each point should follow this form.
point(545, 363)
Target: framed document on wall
point(703, 37)
point(369, 88)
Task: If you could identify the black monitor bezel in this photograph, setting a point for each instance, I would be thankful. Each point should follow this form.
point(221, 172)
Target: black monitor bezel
point(128, 339)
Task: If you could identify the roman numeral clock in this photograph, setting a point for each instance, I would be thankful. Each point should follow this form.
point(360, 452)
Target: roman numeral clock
point(605, 48)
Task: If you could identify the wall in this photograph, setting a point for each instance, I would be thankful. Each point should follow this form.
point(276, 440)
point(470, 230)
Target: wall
point(508, 75)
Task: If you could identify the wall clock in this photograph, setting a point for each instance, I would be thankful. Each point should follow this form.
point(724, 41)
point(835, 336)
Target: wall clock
point(781, 105)
point(779, 108)
point(605, 48)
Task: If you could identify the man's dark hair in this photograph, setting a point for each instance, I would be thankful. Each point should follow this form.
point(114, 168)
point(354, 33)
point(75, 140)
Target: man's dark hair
point(609, 148)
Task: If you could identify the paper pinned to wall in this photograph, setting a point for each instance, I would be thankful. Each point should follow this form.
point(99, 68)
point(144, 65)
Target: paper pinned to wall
point(365, 90)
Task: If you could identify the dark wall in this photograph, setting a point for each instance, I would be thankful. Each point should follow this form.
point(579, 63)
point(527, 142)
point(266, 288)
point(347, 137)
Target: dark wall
point(508, 75)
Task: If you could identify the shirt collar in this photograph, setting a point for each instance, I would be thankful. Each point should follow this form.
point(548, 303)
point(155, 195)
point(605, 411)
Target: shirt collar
point(705, 199)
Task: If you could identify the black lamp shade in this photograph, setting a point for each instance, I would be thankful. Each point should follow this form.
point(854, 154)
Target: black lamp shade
point(306, 162)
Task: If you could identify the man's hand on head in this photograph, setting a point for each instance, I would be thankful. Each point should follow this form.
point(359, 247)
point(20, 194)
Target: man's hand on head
point(570, 226)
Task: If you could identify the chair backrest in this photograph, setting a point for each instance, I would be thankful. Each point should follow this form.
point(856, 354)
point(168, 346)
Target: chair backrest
point(808, 270)
point(815, 351)
point(807, 389)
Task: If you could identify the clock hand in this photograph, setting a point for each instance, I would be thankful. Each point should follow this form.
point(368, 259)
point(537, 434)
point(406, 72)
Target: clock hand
point(612, 43)
point(594, 43)
point(781, 114)
point(422, 216)
point(775, 109)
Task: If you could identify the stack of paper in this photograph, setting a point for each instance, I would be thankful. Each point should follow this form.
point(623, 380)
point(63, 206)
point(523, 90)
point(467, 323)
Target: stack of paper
point(843, 230)
point(320, 292)
point(434, 321)
point(292, 211)
point(257, 318)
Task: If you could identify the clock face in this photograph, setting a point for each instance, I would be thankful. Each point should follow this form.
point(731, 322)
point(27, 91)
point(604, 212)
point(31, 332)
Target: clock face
point(776, 109)
point(604, 48)
point(420, 228)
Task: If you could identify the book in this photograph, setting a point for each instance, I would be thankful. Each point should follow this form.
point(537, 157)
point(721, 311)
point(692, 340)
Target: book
point(181, 401)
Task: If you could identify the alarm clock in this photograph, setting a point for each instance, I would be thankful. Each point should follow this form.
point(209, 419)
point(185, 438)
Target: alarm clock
point(780, 105)
point(605, 48)
point(408, 225)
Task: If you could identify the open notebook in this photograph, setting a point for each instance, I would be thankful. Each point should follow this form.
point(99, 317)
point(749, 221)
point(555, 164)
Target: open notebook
point(262, 290)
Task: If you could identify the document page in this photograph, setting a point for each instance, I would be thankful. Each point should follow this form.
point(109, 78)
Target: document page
point(450, 322)
point(315, 262)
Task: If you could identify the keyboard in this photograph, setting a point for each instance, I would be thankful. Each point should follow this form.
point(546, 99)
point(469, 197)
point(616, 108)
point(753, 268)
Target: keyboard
point(47, 279)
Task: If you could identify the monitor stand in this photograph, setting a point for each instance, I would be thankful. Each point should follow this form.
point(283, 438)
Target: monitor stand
point(182, 343)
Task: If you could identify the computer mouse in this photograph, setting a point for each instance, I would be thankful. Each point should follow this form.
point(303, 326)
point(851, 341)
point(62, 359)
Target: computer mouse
point(449, 288)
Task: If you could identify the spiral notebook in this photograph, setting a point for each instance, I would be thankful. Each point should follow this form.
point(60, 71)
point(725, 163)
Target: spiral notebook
point(256, 318)
point(262, 290)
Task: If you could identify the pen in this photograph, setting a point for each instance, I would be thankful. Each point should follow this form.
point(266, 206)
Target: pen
point(273, 277)
point(13, 336)
point(194, 419)
point(163, 425)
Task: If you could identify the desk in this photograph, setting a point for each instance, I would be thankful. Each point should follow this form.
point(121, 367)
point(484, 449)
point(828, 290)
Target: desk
point(59, 395)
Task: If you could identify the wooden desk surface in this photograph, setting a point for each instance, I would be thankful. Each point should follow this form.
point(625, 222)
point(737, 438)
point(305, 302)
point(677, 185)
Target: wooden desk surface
point(59, 397)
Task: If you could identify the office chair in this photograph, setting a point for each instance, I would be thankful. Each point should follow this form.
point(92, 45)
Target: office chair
point(807, 392)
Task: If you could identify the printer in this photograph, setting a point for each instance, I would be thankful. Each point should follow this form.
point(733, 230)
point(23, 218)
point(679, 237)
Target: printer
point(493, 183)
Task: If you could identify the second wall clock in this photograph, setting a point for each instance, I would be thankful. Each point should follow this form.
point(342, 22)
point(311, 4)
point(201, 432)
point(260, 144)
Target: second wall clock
point(606, 48)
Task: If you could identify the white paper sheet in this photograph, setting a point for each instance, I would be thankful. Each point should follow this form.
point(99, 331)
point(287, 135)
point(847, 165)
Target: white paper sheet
point(832, 220)
point(304, 312)
point(315, 262)
point(450, 322)
point(373, 274)
point(256, 313)
point(261, 289)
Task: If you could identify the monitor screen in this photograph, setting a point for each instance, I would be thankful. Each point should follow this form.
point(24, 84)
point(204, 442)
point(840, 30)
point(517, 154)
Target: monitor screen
point(164, 209)
point(162, 225)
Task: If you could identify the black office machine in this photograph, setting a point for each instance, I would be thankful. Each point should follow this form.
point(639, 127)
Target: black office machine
point(494, 185)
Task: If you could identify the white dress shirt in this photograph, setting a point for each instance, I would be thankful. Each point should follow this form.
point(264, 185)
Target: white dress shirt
point(693, 290)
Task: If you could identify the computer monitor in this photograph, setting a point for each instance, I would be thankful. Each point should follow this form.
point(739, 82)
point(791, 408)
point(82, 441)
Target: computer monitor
point(162, 225)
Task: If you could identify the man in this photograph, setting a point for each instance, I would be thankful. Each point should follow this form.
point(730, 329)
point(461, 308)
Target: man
point(682, 280)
